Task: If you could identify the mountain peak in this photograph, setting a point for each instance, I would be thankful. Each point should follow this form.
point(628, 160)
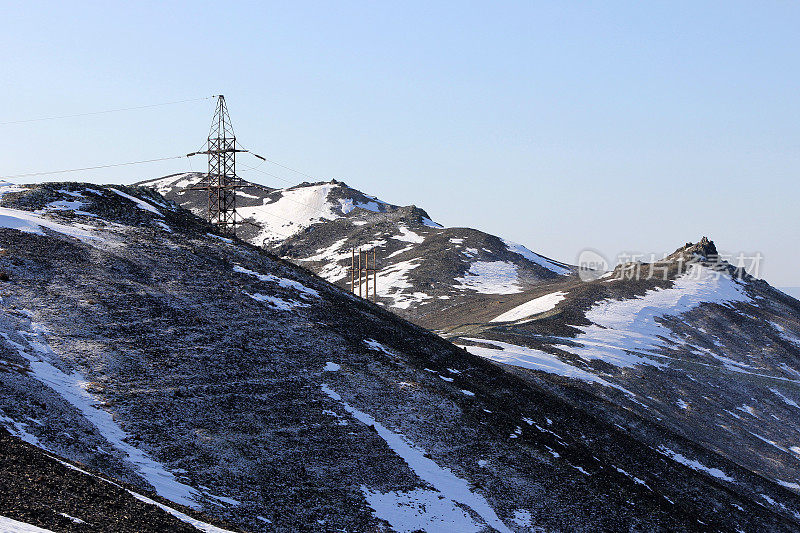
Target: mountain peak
point(704, 249)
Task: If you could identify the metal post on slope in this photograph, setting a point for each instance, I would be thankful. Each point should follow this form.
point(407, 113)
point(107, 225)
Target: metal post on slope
point(366, 271)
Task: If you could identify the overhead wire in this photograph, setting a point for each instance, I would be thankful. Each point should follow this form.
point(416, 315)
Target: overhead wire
point(289, 168)
point(92, 113)
point(276, 163)
point(283, 179)
point(247, 167)
point(93, 168)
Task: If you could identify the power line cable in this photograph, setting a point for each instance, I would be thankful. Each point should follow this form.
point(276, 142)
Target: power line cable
point(76, 115)
point(268, 174)
point(95, 167)
point(287, 181)
point(290, 169)
point(284, 197)
point(276, 163)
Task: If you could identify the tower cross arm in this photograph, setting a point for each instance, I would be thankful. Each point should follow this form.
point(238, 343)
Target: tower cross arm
point(223, 151)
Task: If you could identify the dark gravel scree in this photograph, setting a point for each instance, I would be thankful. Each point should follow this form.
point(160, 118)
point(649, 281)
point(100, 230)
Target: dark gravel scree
point(37, 489)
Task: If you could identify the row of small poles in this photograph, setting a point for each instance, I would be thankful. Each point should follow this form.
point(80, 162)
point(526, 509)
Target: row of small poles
point(360, 272)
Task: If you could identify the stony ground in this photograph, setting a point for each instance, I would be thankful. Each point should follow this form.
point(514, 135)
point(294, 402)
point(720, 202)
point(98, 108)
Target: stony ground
point(40, 489)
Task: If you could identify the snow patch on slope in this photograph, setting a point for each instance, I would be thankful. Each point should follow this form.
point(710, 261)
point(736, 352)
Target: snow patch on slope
point(76, 205)
point(18, 429)
point(335, 261)
point(407, 235)
point(183, 517)
point(430, 223)
point(305, 292)
point(420, 510)
point(197, 524)
point(295, 210)
point(277, 303)
point(72, 388)
point(536, 258)
point(7, 187)
point(533, 307)
point(694, 465)
point(786, 335)
point(28, 222)
point(524, 357)
point(8, 525)
point(490, 277)
point(348, 205)
point(141, 204)
point(372, 344)
point(785, 398)
point(625, 332)
point(392, 283)
point(405, 511)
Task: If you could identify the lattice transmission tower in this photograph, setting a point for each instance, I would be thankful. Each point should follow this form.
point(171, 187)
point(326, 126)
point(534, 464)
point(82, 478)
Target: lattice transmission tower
point(221, 181)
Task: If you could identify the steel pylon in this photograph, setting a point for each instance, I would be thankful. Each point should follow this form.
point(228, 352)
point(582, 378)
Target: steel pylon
point(221, 180)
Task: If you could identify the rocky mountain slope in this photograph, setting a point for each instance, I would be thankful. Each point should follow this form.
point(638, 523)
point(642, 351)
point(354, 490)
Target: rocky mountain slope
point(228, 381)
point(701, 349)
point(423, 267)
point(686, 343)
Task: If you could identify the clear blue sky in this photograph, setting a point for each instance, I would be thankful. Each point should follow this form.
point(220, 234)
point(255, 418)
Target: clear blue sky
point(623, 126)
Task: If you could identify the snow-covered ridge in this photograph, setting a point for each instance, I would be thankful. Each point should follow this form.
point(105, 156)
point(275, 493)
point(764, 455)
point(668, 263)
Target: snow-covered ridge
point(285, 212)
point(626, 332)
